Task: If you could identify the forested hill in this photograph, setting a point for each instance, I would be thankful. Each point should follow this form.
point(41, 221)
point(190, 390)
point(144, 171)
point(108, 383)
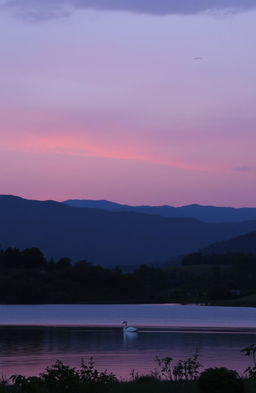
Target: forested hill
point(26, 276)
point(107, 238)
point(211, 214)
point(242, 244)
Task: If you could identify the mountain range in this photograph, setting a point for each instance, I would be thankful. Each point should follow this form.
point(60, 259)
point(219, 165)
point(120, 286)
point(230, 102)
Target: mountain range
point(106, 237)
point(211, 214)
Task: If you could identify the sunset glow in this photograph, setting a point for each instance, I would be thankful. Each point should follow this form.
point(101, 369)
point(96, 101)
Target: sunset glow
point(140, 105)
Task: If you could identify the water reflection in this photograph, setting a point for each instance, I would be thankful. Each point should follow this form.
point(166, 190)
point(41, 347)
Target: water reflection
point(130, 338)
point(29, 350)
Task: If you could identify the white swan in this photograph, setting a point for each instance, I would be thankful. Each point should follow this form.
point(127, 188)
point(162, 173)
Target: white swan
point(128, 329)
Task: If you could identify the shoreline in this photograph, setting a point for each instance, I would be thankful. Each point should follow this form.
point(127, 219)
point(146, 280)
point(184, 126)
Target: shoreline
point(142, 328)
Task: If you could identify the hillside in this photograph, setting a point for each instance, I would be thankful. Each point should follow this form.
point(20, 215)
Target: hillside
point(107, 238)
point(241, 244)
point(211, 214)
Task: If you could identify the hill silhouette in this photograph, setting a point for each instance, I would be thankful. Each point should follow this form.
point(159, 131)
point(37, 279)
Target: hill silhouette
point(212, 214)
point(245, 244)
point(107, 238)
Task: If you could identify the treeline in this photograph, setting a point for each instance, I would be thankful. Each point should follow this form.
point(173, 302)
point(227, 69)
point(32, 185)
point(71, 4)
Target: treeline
point(232, 259)
point(228, 276)
point(28, 277)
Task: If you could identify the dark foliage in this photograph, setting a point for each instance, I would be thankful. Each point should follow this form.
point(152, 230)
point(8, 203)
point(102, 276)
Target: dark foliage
point(183, 370)
point(220, 380)
point(60, 378)
point(146, 379)
point(251, 352)
point(225, 259)
point(28, 277)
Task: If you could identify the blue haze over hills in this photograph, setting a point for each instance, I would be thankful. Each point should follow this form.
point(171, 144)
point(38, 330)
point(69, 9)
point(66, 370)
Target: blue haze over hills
point(108, 238)
point(211, 214)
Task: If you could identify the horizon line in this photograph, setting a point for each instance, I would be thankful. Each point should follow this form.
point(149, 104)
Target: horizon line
point(126, 204)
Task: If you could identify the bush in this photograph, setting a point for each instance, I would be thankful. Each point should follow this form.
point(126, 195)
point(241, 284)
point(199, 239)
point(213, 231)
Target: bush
point(3, 385)
point(60, 378)
point(95, 381)
point(251, 352)
point(26, 385)
point(220, 380)
point(187, 370)
point(146, 379)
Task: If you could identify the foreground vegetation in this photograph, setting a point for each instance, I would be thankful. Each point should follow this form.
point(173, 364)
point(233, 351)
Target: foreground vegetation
point(130, 387)
point(173, 387)
point(180, 377)
point(28, 277)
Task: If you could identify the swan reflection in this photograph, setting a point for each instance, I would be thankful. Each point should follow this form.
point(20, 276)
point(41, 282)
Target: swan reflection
point(130, 337)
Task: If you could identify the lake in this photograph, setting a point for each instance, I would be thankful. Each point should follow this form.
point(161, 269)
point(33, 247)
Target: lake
point(33, 337)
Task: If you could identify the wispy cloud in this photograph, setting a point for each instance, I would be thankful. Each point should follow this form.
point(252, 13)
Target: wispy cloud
point(46, 9)
point(244, 169)
point(84, 147)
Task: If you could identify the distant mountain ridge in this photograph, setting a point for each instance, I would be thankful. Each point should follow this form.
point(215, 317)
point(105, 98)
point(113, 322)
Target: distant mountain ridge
point(104, 237)
point(211, 214)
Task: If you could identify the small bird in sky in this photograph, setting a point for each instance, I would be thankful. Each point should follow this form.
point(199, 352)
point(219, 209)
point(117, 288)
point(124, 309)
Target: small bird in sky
point(197, 58)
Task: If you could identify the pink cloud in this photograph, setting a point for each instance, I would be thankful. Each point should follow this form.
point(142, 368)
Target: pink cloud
point(200, 149)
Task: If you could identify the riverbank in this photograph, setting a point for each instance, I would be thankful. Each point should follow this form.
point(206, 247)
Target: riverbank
point(245, 301)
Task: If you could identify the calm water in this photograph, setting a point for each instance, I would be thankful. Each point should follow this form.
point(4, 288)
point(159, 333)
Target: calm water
point(32, 337)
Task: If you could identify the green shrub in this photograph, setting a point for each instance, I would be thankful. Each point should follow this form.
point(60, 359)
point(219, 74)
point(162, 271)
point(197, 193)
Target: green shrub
point(220, 380)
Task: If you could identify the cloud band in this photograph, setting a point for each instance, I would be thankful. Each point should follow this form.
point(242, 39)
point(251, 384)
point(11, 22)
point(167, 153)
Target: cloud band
point(51, 8)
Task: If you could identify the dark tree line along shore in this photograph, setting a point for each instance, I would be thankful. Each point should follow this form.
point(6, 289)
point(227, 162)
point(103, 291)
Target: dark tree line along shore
point(28, 277)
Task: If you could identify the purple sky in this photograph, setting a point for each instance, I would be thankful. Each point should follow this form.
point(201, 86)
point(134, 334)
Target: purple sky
point(138, 101)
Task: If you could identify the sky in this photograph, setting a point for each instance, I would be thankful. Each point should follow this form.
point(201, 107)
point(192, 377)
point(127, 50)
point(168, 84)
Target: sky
point(134, 101)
